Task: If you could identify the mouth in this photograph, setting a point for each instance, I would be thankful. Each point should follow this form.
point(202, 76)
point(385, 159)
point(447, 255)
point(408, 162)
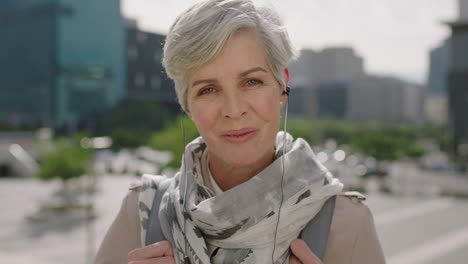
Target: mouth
point(240, 135)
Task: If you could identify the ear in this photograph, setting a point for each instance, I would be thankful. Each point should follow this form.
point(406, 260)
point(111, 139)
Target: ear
point(286, 80)
point(286, 75)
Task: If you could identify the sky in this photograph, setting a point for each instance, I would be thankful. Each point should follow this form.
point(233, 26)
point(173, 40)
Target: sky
point(394, 37)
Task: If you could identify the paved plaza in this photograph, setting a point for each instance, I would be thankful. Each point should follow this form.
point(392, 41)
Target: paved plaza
point(412, 230)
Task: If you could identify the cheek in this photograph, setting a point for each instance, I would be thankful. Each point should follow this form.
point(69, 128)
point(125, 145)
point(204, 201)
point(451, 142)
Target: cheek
point(268, 108)
point(204, 119)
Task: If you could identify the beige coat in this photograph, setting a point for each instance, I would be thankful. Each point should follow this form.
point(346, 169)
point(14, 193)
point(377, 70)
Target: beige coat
point(352, 239)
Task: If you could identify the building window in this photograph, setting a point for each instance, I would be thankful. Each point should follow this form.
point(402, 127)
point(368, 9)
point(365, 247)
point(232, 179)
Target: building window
point(155, 82)
point(132, 52)
point(139, 80)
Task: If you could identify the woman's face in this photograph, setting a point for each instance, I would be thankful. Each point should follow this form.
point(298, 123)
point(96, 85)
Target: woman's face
point(234, 100)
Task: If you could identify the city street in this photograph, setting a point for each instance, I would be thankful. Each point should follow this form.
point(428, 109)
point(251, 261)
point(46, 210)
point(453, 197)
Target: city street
point(412, 230)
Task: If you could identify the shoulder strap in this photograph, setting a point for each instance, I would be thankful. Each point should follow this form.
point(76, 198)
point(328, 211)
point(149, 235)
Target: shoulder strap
point(315, 234)
point(154, 233)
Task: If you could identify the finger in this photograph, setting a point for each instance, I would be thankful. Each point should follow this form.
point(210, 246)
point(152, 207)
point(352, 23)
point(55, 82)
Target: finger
point(161, 260)
point(300, 249)
point(294, 260)
point(159, 249)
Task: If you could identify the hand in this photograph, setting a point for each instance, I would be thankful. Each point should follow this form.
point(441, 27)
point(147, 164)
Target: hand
point(302, 253)
point(157, 253)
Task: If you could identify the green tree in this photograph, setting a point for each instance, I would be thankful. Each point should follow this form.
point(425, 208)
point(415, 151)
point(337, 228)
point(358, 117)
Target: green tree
point(388, 143)
point(66, 162)
point(300, 128)
point(132, 122)
point(384, 142)
point(341, 131)
point(172, 138)
point(377, 145)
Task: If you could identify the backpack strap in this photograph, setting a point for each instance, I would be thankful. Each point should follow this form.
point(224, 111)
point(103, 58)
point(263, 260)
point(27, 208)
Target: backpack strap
point(154, 233)
point(315, 234)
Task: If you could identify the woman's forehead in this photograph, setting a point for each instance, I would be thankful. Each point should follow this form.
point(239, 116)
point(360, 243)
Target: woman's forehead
point(241, 53)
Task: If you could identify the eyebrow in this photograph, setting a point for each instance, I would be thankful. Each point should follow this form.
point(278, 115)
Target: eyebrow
point(247, 72)
point(242, 74)
point(195, 83)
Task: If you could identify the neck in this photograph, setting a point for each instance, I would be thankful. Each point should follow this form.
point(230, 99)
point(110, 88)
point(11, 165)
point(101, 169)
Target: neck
point(228, 175)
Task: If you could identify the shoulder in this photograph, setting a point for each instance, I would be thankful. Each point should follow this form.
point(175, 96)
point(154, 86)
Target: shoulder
point(348, 215)
point(352, 231)
point(124, 233)
point(129, 207)
point(351, 205)
point(350, 212)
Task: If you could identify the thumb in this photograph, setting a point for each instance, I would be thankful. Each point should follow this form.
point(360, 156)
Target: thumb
point(300, 249)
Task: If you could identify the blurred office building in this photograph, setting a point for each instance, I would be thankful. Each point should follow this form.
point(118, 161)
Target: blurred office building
point(330, 65)
point(333, 100)
point(316, 76)
point(385, 99)
point(436, 97)
point(146, 78)
point(438, 68)
point(62, 61)
point(458, 78)
point(333, 84)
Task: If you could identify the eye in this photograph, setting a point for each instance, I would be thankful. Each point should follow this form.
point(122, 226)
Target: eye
point(206, 90)
point(253, 82)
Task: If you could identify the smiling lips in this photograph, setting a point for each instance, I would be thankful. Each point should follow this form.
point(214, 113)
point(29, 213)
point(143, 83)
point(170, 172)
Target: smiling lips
point(239, 136)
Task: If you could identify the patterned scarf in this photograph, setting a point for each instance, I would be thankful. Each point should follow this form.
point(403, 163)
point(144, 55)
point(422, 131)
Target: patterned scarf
point(239, 225)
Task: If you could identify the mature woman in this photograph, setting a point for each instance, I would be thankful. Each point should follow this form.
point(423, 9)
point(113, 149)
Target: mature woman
point(245, 191)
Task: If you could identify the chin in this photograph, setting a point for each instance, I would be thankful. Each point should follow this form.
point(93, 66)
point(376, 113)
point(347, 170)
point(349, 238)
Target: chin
point(243, 159)
point(240, 162)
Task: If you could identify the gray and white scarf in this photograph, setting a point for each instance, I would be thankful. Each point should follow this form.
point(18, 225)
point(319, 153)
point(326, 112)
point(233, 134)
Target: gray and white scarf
point(239, 225)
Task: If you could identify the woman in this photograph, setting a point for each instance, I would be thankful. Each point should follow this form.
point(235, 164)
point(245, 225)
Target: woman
point(245, 191)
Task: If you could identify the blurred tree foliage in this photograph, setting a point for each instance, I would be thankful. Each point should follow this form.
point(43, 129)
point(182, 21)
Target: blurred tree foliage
point(172, 138)
point(383, 142)
point(382, 145)
point(131, 123)
point(5, 127)
point(303, 129)
point(68, 160)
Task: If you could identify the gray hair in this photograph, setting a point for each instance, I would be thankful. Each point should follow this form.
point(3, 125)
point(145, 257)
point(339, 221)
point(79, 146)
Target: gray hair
point(199, 34)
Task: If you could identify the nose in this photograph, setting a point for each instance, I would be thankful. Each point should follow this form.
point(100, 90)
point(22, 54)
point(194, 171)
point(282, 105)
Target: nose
point(234, 106)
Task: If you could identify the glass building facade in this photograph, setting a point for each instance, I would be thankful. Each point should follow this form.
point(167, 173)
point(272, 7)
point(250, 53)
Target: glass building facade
point(61, 60)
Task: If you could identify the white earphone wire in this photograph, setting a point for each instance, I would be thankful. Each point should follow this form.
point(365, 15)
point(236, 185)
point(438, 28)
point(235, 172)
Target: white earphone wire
point(282, 175)
point(186, 258)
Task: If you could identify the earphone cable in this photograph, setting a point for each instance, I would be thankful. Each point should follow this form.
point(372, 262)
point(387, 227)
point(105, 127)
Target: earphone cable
point(282, 176)
point(186, 258)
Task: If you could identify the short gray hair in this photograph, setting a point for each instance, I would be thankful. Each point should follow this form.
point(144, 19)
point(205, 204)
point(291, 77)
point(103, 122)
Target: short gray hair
point(199, 34)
